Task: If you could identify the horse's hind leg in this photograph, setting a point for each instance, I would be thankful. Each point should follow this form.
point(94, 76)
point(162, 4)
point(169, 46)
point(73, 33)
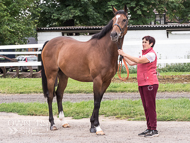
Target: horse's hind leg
point(59, 94)
point(51, 77)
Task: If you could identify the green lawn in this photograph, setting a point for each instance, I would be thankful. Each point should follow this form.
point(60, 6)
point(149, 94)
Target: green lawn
point(167, 109)
point(33, 85)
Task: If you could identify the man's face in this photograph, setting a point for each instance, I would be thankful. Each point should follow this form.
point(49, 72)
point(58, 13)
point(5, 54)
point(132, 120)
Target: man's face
point(146, 44)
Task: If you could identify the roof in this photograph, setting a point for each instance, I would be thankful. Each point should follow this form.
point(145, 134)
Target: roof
point(130, 27)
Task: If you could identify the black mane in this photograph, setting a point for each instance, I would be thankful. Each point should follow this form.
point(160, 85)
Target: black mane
point(104, 31)
point(108, 27)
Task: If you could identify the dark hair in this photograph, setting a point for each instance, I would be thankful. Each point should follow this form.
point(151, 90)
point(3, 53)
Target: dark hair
point(150, 39)
point(104, 31)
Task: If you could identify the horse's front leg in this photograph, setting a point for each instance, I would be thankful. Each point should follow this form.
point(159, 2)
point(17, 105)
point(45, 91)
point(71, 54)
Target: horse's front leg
point(99, 88)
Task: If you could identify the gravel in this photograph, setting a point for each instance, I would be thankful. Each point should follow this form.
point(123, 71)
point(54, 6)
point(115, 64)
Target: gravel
point(7, 98)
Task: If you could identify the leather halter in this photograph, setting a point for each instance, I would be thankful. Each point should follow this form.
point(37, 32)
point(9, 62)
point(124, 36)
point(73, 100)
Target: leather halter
point(121, 30)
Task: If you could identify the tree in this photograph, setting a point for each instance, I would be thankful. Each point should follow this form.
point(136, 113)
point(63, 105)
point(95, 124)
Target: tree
point(141, 12)
point(72, 12)
point(16, 24)
point(178, 10)
point(95, 12)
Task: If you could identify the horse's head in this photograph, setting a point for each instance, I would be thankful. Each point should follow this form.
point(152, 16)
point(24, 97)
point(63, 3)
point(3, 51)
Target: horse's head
point(120, 22)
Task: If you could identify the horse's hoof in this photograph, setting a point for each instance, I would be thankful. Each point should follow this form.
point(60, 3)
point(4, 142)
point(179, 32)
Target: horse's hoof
point(93, 130)
point(53, 128)
point(100, 133)
point(66, 125)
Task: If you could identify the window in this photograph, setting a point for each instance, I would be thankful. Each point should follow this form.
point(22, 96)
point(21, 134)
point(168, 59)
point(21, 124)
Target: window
point(159, 19)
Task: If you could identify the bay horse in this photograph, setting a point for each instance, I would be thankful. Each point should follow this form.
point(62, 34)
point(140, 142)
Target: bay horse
point(92, 61)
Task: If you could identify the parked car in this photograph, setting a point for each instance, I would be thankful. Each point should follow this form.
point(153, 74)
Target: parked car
point(18, 58)
point(28, 59)
point(3, 60)
point(25, 59)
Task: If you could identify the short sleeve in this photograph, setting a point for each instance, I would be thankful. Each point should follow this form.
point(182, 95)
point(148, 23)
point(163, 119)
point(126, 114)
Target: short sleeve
point(151, 57)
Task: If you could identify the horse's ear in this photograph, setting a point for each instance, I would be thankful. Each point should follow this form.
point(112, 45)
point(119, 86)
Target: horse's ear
point(125, 9)
point(114, 10)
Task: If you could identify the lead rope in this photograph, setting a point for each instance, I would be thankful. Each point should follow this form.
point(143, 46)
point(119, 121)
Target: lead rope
point(119, 70)
point(120, 67)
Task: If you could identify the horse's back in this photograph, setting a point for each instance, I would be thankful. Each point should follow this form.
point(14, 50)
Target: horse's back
point(62, 45)
point(69, 55)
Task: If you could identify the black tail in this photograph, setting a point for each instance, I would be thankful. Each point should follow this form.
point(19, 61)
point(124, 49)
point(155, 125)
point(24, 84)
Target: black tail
point(44, 79)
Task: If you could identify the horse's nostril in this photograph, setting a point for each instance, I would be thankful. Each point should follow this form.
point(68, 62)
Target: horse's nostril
point(114, 34)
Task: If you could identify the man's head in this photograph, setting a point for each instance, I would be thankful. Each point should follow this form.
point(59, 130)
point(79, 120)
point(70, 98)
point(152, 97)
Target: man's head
point(147, 42)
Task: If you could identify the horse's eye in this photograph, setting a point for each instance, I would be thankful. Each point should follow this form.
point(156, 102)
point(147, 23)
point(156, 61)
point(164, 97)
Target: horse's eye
point(124, 20)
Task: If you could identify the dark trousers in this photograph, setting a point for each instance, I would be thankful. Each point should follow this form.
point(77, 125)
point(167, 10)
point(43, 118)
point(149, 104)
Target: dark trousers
point(148, 96)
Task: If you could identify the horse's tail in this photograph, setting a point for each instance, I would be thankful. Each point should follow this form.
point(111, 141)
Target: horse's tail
point(44, 79)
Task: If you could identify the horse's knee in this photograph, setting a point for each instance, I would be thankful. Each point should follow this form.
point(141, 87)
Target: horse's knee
point(58, 96)
point(50, 99)
point(96, 105)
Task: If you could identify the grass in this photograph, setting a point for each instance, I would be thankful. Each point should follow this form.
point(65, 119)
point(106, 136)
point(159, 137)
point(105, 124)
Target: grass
point(33, 85)
point(167, 109)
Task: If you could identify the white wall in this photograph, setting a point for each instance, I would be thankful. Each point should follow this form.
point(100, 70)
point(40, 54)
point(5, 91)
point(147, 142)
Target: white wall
point(44, 36)
point(173, 47)
point(178, 48)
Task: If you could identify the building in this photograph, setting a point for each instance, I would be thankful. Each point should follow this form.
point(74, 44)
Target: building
point(172, 41)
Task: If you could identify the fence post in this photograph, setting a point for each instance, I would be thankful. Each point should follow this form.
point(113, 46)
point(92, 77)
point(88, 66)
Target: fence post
point(39, 60)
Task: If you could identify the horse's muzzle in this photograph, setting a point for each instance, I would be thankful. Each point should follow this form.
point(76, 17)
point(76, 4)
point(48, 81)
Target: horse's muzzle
point(114, 36)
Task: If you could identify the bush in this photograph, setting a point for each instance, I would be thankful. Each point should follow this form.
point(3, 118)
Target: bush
point(185, 67)
point(131, 69)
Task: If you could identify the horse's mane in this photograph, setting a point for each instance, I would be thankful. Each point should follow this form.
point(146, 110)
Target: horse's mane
point(104, 31)
point(107, 28)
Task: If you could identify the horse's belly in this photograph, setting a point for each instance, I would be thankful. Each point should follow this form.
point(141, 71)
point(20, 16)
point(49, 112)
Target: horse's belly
point(82, 78)
point(78, 74)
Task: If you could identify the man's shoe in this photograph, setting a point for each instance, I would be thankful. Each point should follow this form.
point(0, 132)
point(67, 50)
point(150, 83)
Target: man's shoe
point(144, 133)
point(152, 133)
